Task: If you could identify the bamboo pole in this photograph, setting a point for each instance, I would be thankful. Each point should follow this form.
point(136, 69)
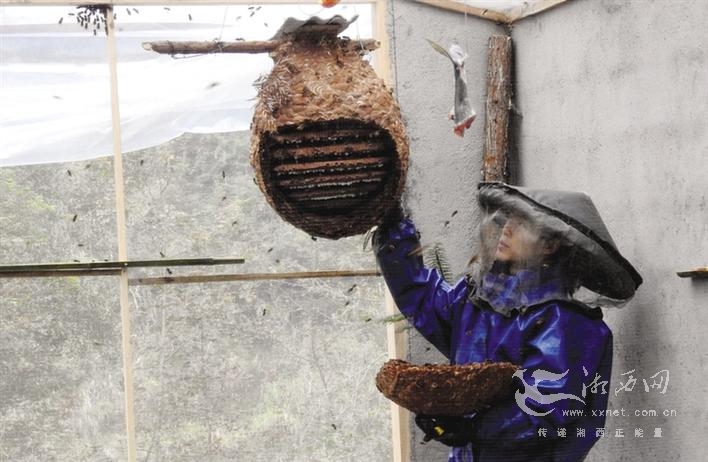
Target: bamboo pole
point(104, 265)
point(400, 417)
point(203, 278)
point(126, 348)
point(496, 146)
point(396, 339)
point(60, 273)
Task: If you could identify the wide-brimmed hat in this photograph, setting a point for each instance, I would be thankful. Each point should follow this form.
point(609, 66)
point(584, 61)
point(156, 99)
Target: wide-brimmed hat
point(601, 268)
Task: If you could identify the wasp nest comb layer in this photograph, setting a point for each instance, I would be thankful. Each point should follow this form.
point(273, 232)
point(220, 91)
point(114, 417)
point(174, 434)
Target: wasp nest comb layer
point(328, 145)
point(443, 389)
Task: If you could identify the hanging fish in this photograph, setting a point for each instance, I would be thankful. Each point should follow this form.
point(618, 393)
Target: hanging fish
point(462, 113)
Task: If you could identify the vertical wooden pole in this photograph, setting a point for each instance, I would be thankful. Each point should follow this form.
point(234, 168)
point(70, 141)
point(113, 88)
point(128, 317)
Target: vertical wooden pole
point(382, 61)
point(400, 417)
point(397, 341)
point(122, 242)
point(499, 88)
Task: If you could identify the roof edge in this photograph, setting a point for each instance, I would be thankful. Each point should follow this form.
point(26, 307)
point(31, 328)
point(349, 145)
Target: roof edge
point(522, 12)
point(458, 7)
point(513, 15)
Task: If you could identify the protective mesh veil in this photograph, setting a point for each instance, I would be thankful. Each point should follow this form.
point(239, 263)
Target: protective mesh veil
point(537, 246)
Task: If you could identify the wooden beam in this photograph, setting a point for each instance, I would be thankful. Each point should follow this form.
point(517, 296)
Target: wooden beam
point(400, 417)
point(201, 279)
point(186, 48)
point(265, 46)
point(496, 145)
point(104, 265)
point(698, 273)
point(396, 339)
point(60, 273)
point(459, 7)
point(450, 5)
point(162, 2)
point(124, 297)
point(531, 9)
point(382, 59)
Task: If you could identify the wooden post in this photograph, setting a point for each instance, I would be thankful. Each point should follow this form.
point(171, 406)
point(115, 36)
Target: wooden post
point(400, 417)
point(496, 146)
point(127, 351)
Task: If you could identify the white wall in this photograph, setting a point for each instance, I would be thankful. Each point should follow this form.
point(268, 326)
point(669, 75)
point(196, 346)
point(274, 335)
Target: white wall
point(614, 96)
point(441, 186)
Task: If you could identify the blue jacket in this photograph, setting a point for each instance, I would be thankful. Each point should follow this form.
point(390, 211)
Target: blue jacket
point(557, 336)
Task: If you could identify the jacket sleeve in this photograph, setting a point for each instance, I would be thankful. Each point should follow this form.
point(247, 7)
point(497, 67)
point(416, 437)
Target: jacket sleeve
point(420, 293)
point(572, 347)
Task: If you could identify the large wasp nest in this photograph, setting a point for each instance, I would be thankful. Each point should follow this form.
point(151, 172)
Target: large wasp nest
point(445, 389)
point(328, 145)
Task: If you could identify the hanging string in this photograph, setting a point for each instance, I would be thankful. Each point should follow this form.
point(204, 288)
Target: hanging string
point(467, 37)
point(358, 32)
point(173, 55)
point(223, 24)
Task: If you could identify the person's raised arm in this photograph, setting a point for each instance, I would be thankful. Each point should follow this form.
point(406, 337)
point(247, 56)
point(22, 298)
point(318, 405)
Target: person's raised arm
point(420, 293)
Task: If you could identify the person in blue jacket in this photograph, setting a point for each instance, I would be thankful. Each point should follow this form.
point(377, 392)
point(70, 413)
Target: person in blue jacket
point(547, 262)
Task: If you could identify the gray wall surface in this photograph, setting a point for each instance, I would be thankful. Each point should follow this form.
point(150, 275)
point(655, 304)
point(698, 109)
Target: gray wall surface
point(614, 102)
point(444, 169)
point(614, 97)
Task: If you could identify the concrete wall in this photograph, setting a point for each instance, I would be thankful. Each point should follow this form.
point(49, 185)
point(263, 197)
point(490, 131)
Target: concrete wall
point(444, 169)
point(614, 97)
point(614, 100)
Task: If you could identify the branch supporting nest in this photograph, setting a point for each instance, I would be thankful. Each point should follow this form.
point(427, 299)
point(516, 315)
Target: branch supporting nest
point(252, 47)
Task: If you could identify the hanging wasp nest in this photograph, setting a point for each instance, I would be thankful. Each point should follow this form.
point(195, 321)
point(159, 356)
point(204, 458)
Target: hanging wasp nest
point(445, 389)
point(328, 144)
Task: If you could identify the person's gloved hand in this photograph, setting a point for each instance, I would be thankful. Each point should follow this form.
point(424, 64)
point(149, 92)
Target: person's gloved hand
point(450, 431)
point(390, 219)
point(393, 216)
